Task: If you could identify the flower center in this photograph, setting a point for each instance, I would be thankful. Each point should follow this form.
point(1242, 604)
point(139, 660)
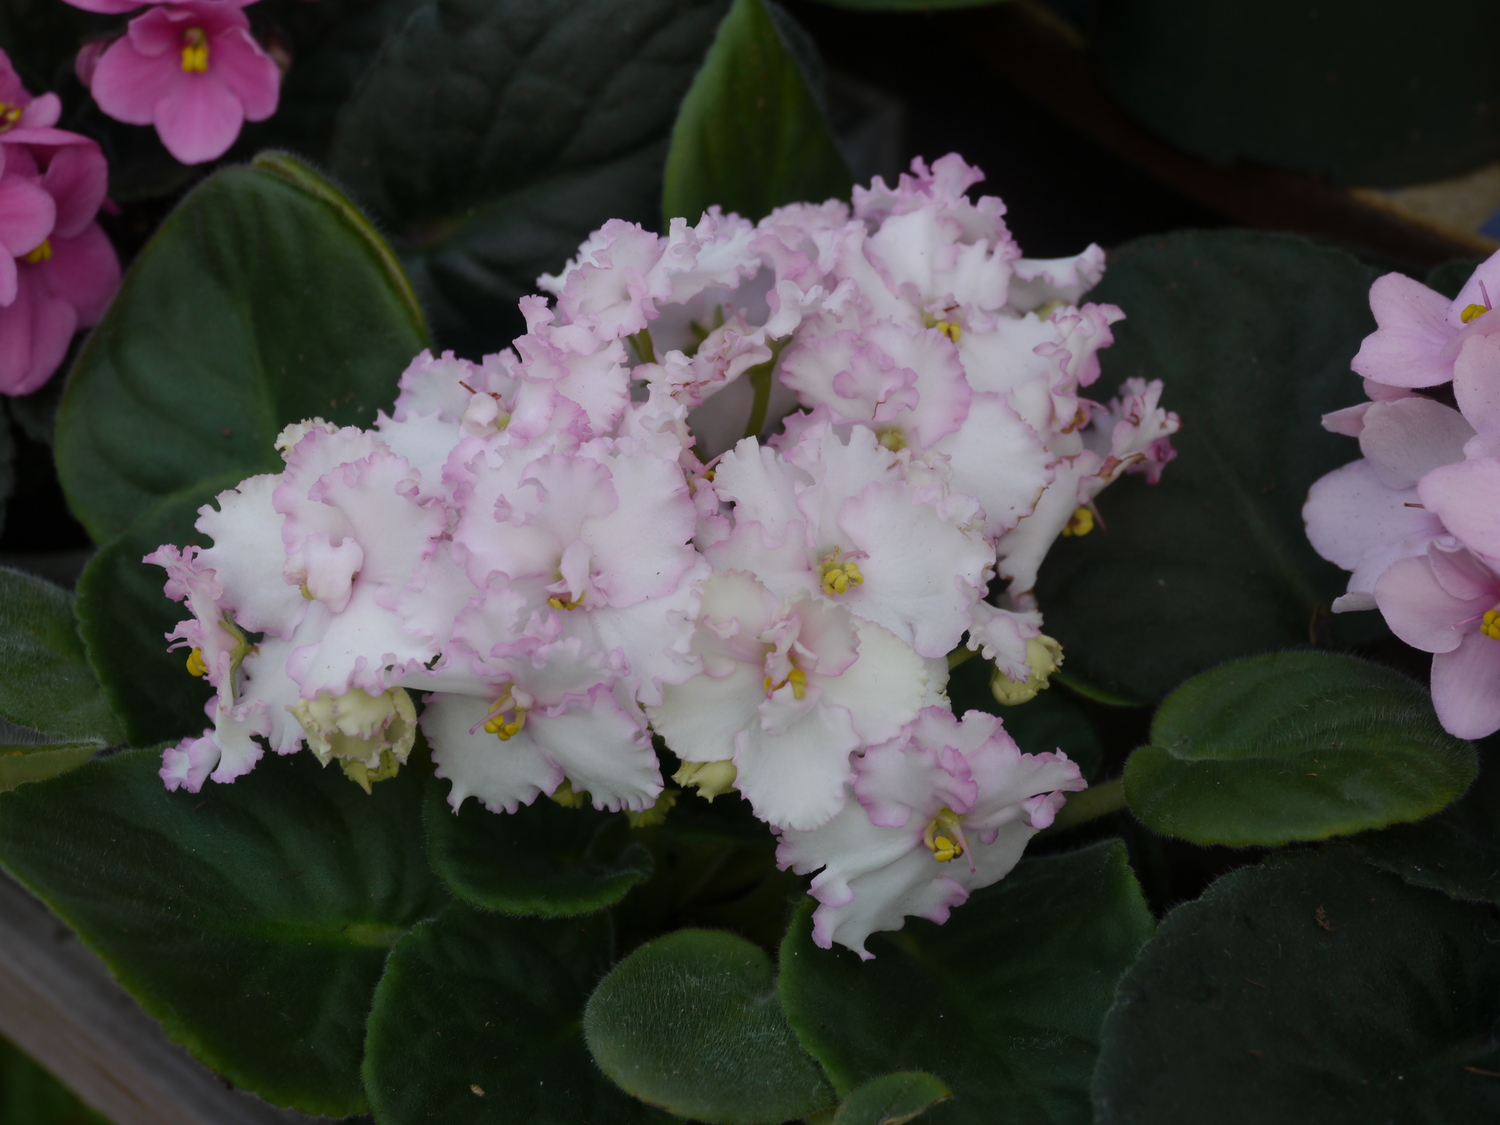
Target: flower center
point(1472, 313)
point(9, 115)
point(797, 678)
point(1081, 522)
point(838, 577)
point(195, 664)
point(1490, 625)
point(506, 720)
point(892, 438)
point(944, 836)
point(557, 602)
point(42, 253)
point(195, 51)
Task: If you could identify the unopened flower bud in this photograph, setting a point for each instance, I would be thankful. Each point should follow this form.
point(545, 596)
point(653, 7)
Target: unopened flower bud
point(1043, 656)
point(709, 778)
point(375, 732)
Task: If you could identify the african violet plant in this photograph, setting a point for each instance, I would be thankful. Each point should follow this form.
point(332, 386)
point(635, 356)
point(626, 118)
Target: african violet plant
point(642, 714)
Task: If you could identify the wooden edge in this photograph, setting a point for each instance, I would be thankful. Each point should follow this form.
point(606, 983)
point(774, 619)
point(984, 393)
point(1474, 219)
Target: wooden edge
point(59, 1004)
point(1046, 58)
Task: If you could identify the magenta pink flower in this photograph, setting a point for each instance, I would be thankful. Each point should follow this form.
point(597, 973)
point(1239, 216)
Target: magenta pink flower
point(18, 109)
point(57, 268)
point(193, 70)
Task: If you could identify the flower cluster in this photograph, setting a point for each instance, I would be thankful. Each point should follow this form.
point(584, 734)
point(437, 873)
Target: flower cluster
point(57, 267)
point(1417, 518)
point(189, 67)
point(743, 487)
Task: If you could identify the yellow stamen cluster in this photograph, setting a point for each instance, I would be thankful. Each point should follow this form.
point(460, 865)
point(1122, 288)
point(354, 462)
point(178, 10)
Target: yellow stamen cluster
point(797, 678)
point(949, 329)
point(9, 115)
point(195, 664)
point(1472, 313)
point(1081, 522)
point(501, 727)
point(892, 438)
point(557, 602)
point(42, 253)
point(1490, 626)
point(944, 848)
point(840, 577)
point(194, 51)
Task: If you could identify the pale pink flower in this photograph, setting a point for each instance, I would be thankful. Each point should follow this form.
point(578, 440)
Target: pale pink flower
point(940, 810)
point(194, 71)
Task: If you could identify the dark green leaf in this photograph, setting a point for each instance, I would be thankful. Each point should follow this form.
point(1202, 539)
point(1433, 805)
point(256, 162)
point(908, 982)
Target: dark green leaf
point(1252, 335)
point(477, 1020)
point(496, 134)
point(1311, 988)
point(541, 859)
point(252, 919)
point(21, 762)
point(1364, 93)
point(1003, 1003)
point(31, 1096)
point(892, 1099)
point(750, 136)
point(46, 684)
point(690, 1023)
point(1294, 746)
point(909, 5)
point(7, 465)
point(1457, 851)
point(263, 299)
point(1449, 277)
point(124, 618)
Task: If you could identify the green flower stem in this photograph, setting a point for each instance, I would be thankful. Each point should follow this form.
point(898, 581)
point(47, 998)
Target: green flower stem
point(959, 656)
point(1095, 801)
point(760, 380)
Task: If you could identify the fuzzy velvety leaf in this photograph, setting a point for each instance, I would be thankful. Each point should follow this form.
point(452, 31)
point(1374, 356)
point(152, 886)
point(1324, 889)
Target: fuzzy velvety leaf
point(1457, 851)
point(496, 134)
point(21, 762)
point(263, 299)
point(750, 136)
point(690, 1023)
point(1311, 988)
point(124, 618)
point(1003, 1003)
point(477, 1021)
point(252, 919)
point(892, 1099)
point(1364, 93)
point(1252, 335)
point(1294, 746)
point(46, 684)
point(541, 859)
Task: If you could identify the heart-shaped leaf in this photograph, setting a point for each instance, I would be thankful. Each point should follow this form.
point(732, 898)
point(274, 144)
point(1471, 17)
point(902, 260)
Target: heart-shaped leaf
point(892, 1099)
point(1309, 988)
point(1252, 335)
point(476, 1022)
point(690, 1022)
point(263, 299)
point(541, 859)
point(750, 136)
point(124, 617)
point(252, 919)
point(496, 134)
point(1294, 746)
point(1003, 1003)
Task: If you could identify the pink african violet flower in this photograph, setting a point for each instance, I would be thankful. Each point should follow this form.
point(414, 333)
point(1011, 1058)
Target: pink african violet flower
point(57, 268)
point(18, 109)
point(194, 71)
point(1445, 602)
point(942, 809)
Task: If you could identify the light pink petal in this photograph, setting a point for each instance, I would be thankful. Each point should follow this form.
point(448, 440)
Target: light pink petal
point(77, 180)
point(1350, 514)
point(1420, 611)
point(1406, 350)
point(84, 272)
point(200, 120)
point(237, 60)
point(1460, 573)
point(1476, 381)
point(1466, 687)
point(1464, 496)
point(1406, 439)
point(1482, 288)
point(129, 85)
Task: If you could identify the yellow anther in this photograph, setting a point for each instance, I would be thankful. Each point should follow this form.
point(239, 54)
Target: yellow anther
point(949, 329)
point(195, 664)
point(1081, 522)
point(505, 729)
point(306, 593)
point(944, 848)
point(839, 577)
point(9, 115)
point(41, 253)
point(892, 438)
point(194, 51)
point(1472, 313)
point(1490, 626)
point(797, 678)
point(557, 602)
